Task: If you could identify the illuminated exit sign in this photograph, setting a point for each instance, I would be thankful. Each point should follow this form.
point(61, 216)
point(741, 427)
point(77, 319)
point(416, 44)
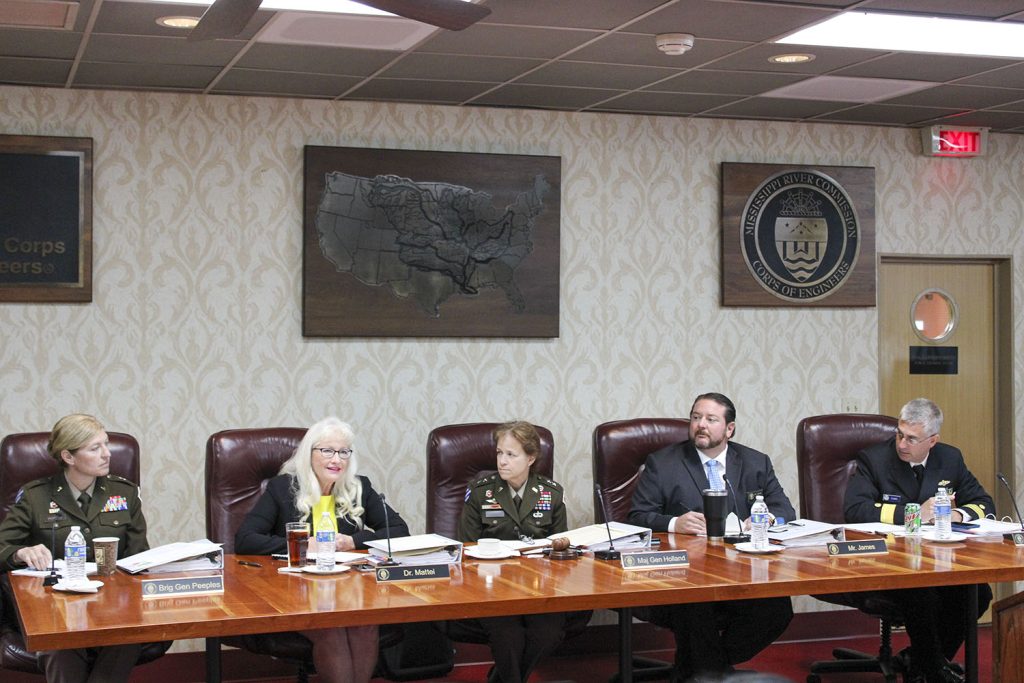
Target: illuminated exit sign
point(953, 141)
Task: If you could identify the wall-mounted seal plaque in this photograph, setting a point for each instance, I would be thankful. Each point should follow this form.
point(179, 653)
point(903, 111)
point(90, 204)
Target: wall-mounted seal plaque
point(45, 219)
point(798, 235)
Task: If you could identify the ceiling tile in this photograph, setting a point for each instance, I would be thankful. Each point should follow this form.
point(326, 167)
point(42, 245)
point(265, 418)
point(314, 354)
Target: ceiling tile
point(894, 115)
point(587, 75)
point(139, 19)
point(255, 82)
point(507, 41)
point(52, 72)
point(433, 66)
point(338, 61)
point(996, 120)
point(159, 50)
point(826, 59)
point(728, 20)
point(39, 43)
point(405, 90)
point(639, 48)
point(544, 97)
point(962, 96)
point(975, 8)
point(665, 103)
point(726, 82)
point(597, 14)
point(1009, 77)
point(772, 108)
point(182, 76)
point(921, 67)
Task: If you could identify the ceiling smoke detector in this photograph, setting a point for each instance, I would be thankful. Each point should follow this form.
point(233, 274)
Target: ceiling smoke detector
point(674, 43)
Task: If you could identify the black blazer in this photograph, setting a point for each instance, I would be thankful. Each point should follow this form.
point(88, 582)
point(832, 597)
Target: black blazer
point(883, 484)
point(673, 479)
point(262, 531)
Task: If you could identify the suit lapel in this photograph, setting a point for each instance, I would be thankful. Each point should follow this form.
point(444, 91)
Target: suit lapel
point(905, 480)
point(698, 475)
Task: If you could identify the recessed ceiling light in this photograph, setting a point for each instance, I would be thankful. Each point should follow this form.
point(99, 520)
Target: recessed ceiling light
point(792, 58)
point(178, 21)
point(903, 33)
point(327, 6)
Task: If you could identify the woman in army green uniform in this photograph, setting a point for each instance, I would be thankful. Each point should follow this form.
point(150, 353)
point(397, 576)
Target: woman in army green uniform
point(509, 505)
point(86, 495)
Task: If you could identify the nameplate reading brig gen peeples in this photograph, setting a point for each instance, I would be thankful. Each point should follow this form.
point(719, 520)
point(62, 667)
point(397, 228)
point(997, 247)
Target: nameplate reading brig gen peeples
point(658, 559)
point(192, 585)
point(871, 547)
point(423, 572)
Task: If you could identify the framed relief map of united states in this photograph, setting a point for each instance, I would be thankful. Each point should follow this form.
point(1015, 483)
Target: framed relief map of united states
point(401, 243)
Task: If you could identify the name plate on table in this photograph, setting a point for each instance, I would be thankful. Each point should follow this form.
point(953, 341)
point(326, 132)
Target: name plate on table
point(870, 547)
point(189, 585)
point(1017, 537)
point(658, 559)
point(421, 572)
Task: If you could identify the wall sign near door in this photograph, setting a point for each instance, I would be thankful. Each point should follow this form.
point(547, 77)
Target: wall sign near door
point(934, 360)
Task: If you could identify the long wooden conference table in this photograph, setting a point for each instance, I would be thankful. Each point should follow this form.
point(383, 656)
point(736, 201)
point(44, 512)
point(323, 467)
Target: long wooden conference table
point(262, 600)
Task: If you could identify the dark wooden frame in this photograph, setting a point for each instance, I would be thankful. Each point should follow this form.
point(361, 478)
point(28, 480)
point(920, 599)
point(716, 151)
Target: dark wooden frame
point(337, 304)
point(28, 246)
point(740, 182)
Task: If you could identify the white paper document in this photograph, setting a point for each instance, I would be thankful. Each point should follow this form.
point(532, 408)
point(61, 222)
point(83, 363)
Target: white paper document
point(419, 549)
point(176, 557)
point(595, 536)
point(805, 532)
point(90, 568)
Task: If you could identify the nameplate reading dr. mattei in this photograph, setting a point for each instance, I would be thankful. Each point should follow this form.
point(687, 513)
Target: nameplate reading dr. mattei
point(191, 585)
point(658, 559)
point(872, 547)
point(421, 572)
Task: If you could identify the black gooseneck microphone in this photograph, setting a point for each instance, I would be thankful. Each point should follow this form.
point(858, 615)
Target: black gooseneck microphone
point(390, 562)
point(740, 537)
point(1013, 498)
point(611, 553)
point(52, 578)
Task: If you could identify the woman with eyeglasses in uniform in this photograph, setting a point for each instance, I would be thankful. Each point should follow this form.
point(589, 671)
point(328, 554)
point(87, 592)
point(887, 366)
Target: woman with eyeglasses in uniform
point(322, 476)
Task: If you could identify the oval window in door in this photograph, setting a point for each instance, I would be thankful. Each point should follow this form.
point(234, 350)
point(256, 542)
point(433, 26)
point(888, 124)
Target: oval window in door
point(934, 315)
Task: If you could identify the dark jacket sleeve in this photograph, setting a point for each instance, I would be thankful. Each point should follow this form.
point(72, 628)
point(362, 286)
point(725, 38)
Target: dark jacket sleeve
point(863, 499)
point(135, 537)
point(15, 533)
point(971, 496)
point(375, 524)
point(649, 503)
point(262, 530)
point(774, 495)
point(470, 524)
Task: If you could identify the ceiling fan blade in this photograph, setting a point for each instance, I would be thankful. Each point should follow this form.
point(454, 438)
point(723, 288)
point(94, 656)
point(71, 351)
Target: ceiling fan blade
point(224, 19)
point(453, 15)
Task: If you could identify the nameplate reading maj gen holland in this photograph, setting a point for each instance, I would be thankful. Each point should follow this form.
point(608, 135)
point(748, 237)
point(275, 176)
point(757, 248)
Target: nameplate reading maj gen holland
point(191, 585)
point(874, 546)
point(658, 559)
point(421, 572)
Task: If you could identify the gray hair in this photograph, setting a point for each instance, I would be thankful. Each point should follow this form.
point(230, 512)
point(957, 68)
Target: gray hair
point(922, 412)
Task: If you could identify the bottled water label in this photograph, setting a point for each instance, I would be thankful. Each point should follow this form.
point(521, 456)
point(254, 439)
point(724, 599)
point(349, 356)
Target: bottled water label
point(74, 557)
point(325, 551)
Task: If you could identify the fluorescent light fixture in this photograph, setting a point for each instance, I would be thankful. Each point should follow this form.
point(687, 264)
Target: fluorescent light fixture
point(324, 6)
point(901, 33)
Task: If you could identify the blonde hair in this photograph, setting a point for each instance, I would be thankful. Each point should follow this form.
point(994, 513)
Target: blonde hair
point(71, 433)
point(348, 491)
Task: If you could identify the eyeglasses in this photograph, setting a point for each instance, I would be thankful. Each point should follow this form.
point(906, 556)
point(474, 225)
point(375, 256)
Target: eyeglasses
point(912, 440)
point(329, 453)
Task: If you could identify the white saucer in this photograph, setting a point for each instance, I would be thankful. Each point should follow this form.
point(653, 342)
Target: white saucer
point(313, 569)
point(82, 587)
point(749, 548)
point(504, 555)
point(954, 537)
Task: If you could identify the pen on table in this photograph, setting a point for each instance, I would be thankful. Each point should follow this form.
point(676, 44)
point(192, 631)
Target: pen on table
point(247, 563)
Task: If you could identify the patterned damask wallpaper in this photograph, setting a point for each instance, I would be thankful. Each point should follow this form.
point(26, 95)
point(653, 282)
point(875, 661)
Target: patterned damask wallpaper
point(195, 323)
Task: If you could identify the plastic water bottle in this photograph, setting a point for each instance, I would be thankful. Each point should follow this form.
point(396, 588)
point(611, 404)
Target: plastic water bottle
point(74, 556)
point(325, 543)
point(759, 520)
point(943, 514)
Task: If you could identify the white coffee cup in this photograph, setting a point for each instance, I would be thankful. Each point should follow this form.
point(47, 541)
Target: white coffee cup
point(489, 547)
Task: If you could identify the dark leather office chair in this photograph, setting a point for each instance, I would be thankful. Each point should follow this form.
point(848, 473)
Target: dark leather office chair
point(826, 451)
point(24, 458)
point(620, 449)
point(457, 455)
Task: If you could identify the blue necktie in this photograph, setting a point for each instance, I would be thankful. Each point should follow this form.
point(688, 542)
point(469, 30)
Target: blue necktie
point(715, 481)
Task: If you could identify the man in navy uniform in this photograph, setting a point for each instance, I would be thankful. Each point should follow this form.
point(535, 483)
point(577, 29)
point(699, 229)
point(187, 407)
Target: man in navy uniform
point(711, 636)
point(909, 468)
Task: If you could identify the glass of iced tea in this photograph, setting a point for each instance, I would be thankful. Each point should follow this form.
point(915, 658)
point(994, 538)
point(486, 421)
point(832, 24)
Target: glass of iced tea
point(298, 543)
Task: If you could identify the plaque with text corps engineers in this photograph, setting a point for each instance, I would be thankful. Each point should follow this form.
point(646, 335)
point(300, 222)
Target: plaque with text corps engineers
point(45, 219)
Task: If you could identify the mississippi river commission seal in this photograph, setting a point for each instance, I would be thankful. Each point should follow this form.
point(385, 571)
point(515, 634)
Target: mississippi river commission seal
point(800, 235)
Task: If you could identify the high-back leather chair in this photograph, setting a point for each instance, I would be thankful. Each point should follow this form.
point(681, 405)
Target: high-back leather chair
point(458, 455)
point(24, 458)
point(620, 449)
point(826, 452)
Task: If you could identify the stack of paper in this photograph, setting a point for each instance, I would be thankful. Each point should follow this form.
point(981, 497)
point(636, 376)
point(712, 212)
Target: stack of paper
point(805, 532)
point(595, 536)
point(201, 555)
point(420, 549)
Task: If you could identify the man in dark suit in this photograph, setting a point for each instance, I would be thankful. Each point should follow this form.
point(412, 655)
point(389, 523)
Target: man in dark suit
point(908, 469)
point(713, 636)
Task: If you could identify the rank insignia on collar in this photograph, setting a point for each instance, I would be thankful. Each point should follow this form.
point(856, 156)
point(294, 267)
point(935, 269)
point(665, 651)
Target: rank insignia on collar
point(115, 504)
